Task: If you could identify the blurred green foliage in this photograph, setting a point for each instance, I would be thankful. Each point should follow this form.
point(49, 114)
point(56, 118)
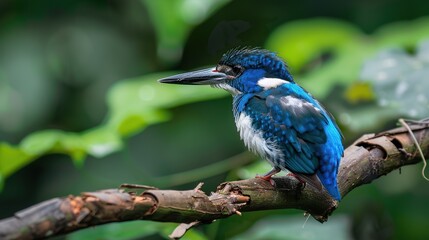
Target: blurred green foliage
point(297, 228)
point(132, 230)
point(78, 79)
point(174, 19)
point(149, 99)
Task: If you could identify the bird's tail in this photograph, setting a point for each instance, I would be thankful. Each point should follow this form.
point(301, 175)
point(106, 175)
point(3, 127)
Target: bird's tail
point(331, 186)
point(314, 181)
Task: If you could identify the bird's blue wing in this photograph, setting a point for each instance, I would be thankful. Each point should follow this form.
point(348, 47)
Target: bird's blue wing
point(294, 125)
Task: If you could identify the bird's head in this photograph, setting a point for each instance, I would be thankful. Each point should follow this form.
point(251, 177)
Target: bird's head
point(240, 71)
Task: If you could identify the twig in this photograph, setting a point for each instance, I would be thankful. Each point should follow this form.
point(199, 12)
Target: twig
point(404, 124)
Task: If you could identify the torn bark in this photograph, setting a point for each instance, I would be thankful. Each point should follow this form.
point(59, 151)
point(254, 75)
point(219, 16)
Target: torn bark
point(370, 157)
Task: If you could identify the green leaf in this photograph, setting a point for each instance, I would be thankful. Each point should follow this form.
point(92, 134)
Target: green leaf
point(101, 141)
point(300, 41)
point(397, 81)
point(138, 102)
point(146, 93)
point(11, 159)
point(54, 141)
point(404, 34)
point(366, 117)
point(400, 80)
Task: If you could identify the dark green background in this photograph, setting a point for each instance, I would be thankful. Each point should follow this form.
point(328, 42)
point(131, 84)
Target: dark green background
point(55, 40)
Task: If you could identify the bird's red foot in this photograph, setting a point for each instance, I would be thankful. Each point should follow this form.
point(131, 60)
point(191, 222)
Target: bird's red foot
point(268, 175)
point(268, 179)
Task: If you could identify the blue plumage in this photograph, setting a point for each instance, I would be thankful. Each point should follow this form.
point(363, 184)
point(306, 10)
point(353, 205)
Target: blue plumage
point(276, 118)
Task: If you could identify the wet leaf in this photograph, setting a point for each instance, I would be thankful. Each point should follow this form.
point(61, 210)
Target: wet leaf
point(400, 80)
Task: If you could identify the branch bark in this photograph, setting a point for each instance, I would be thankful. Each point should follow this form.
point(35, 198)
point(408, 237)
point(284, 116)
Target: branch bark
point(371, 156)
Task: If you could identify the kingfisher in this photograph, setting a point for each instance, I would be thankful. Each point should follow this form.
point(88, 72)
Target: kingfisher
point(276, 118)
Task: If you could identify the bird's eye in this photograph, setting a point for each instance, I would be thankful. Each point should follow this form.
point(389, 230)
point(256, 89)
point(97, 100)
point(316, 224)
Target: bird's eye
point(237, 70)
point(233, 71)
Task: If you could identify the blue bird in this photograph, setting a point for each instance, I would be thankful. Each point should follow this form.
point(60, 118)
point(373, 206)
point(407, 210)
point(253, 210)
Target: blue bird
point(277, 119)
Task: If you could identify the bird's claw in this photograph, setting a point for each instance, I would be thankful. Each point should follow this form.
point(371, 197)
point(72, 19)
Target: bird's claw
point(268, 179)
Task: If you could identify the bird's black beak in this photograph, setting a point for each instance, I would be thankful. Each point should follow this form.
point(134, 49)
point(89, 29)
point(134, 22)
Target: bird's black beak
point(201, 77)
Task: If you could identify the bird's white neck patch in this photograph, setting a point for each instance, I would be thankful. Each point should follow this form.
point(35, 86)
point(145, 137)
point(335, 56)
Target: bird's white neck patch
point(268, 83)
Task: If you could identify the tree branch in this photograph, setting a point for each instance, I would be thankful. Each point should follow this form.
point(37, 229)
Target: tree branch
point(371, 156)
